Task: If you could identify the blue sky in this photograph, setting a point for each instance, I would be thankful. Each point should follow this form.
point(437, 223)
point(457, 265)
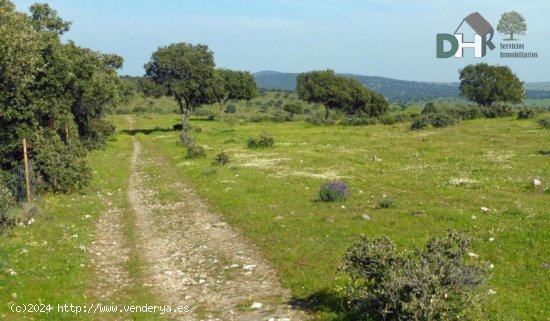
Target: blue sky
point(393, 39)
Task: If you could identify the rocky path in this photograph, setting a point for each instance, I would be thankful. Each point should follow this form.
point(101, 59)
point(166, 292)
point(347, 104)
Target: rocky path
point(195, 259)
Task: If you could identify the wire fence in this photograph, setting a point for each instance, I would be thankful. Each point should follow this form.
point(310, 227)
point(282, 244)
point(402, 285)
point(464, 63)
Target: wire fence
point(16, 182)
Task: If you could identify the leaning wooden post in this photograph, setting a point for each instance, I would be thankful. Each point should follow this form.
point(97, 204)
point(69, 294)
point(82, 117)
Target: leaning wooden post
point(27, 176)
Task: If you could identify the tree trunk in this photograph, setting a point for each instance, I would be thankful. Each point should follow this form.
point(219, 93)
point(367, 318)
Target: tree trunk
point(326, 112)
point(511, 36)
point(221, 110)
point(183, 113)
point(186, 119)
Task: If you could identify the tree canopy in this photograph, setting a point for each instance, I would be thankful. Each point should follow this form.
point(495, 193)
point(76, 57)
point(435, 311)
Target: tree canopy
point(49, 89)
point(186, 72)
point(512, 23)
point(486, 85)
point(340, 93)
point(232, 85)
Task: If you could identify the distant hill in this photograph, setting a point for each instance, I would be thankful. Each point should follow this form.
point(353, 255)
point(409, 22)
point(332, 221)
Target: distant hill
point(395, 90)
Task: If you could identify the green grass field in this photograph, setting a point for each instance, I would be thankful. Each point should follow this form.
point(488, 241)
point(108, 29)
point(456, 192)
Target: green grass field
point(271, 194)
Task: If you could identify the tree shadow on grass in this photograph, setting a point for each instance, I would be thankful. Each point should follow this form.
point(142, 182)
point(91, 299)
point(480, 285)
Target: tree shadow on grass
point(133, 132)
point(328, 304)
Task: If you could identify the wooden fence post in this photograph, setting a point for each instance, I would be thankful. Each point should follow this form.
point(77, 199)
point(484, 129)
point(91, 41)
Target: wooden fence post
point(27, 175)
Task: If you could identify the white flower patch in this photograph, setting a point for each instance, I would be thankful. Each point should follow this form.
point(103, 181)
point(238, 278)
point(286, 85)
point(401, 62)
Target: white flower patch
point(461, 181)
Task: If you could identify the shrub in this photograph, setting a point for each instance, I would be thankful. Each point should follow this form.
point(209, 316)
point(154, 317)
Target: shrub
point(421, 122)
point(386, 202)
point(258, 118)
point(526, 113)
point(231, 109)
point(221, 159)
point(429, 108)
point(544, 122)
point(97, 132)
point(195, 151)
point(437, 282)
point(186, 139)
point(498, 110)
point(197, 129)
point(466, 112)
point(6, 203)
point(334, 191)
point(293, 109)
point(264, 140)
point(62, 167)
point(388, 119)
point(441, 120)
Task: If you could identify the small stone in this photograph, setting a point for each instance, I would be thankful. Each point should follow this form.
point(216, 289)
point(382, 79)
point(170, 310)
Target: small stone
point(14, 295)
point(220, 224)
point(233, 266)
point(343, 206)
point(491, 292)
point(361, 192)
point(473, 256)
point(366, 217)
point(202, 281)
point(485, 209)
point(278, 218)
point(492, 239)
point(256, 305)
point(491, 266)
point(87, 216)
point(12, 272)
point(537, 182)
point(249, 267)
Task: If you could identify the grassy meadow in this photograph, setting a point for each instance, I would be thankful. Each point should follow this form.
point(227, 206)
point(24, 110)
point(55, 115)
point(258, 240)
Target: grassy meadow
point(439, 180)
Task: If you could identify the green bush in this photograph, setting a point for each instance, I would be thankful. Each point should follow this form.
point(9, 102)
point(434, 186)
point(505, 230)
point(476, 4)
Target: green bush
point(221, 159)
point(62, 167)
point(544, 122)
point(231, 109)
point(466, 112)
point(388, 119)
point(441, 120)
point(195, 151)
point(264, 140)
point(429, 108)
point(526, 113)
point(498, 110)
point(186, 139)
point(7, 202)
point(437, 282)
point(386, 202)
point(421, 122)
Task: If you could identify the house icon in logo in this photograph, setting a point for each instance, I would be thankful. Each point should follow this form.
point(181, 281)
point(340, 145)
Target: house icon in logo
point(483, 37)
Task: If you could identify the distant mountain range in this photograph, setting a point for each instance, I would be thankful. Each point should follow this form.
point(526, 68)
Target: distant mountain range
point(398, 91)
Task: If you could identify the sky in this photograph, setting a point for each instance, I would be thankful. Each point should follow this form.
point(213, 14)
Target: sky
point(395, 39)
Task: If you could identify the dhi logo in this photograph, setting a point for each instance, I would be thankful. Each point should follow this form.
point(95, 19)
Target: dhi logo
point(483, 38)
